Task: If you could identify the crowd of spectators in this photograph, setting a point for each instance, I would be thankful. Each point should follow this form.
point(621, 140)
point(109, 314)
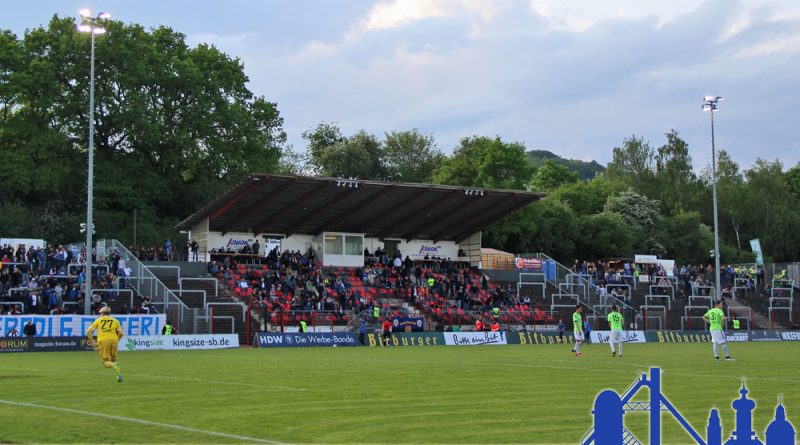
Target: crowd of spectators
point(51, 279)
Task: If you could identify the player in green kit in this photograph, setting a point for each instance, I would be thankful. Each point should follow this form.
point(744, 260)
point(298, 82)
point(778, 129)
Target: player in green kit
point(577, 326)
point(716, 318)
point(615, 323)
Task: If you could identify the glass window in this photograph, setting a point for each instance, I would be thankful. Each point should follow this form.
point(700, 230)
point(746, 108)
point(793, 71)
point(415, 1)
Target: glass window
point(333, 244)
point(353, 245)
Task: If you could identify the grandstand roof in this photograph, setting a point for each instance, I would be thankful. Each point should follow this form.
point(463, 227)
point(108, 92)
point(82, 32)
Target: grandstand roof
point(280, 204)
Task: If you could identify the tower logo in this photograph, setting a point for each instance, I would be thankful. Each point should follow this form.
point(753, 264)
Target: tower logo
point(610, 409)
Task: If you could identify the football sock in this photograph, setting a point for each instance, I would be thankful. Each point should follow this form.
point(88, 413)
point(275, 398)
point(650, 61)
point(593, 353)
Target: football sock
point(619, 345)
point(611, 343)
point(725, 349)
point(716, 350)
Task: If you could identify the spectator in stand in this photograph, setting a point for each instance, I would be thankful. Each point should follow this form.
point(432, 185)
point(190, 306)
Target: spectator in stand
point(195, 249)
point(168, 249)
point(561, 327)
point(495, 326)
point(29, 330)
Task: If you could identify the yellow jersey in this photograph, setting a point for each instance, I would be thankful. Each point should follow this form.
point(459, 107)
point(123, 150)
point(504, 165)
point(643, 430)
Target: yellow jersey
point(107, 327)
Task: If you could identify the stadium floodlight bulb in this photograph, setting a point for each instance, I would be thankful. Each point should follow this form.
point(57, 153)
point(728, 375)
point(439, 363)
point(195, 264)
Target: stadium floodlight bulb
point(98, 30)
point(709, 98)
point(85, 13)
point(83, 27)
point(104, 15)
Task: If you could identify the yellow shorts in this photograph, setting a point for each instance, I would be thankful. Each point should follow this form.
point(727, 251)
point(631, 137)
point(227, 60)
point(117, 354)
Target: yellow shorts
point(108, 350)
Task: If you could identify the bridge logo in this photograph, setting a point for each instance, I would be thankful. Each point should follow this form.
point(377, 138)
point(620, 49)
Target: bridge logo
point(610, 409)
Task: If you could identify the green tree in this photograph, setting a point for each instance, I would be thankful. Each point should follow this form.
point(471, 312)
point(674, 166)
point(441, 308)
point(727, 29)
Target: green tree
point(320, 139)
point(793, 179)
point(550, 176)
point(638, 212)
point(631, 165)
point(173, 125)
point(547, 226)
point(484, 162)
point(585, 197)
point(774, 214)
point(358, 156)
point(604, 235)
point(411, 156)
point(677, 184)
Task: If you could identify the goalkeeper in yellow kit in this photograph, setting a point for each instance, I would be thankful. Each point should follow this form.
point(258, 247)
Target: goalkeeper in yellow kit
point(109, 331)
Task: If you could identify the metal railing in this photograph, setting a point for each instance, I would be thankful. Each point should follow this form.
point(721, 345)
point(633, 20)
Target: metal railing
point(145, 283)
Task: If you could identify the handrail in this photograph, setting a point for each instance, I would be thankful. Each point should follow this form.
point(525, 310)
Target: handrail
point(141, 271)
point(214, 280)
point(589, 284)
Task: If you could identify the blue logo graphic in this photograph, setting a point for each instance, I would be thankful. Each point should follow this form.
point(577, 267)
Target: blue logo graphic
point(610, 409)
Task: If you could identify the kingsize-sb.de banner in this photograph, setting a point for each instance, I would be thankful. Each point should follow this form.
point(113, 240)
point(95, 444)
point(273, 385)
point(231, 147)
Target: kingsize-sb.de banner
point(178, 342)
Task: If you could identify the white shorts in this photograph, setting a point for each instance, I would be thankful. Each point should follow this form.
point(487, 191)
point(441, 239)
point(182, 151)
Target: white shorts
point(718, 337)
point(578, 336)
point(615, 337)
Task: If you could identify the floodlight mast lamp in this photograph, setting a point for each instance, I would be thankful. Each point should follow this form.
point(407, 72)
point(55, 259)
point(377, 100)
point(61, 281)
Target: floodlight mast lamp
point(710, 105)
point(94, 26)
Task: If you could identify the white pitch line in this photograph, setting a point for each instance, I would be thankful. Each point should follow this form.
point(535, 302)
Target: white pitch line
point(143, 422)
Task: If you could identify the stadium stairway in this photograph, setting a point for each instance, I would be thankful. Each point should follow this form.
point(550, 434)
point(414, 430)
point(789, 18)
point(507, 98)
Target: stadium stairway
point(228, 315)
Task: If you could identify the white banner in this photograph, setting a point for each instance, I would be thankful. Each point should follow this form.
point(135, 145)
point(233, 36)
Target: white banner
point(28, 242)
point(178, 342)
point(76, 325)
point(645, 259)
point(474, 338)
point(627, 336)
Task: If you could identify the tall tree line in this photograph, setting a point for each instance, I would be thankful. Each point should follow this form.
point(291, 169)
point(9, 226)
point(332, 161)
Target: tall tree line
point(176, 125)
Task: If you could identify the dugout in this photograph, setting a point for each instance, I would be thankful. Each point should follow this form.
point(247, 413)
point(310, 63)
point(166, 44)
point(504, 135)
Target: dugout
point(340, 218)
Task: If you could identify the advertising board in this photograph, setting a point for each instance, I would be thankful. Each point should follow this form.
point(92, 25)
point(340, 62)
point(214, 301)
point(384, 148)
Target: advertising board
point(408, 324)
point(178, 342)
point(407, 339)
point(309, 339)
point(474, 338)
point(76, 325)
point(627, 336)
point(528, 263)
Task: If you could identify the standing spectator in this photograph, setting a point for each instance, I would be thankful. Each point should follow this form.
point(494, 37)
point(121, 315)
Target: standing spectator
point(195, 248)
point(387, 332)
point(561, 327)
point(362, 332)
point(29, 330)
point(168, 249)
point(168, 329)
point(587, 330)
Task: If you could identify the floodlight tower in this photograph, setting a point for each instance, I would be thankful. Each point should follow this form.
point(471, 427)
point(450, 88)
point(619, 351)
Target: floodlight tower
point(710, 105)
point(94, 26)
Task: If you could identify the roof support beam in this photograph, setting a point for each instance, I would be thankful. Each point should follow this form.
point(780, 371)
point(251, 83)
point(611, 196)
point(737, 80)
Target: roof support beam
point(516, 205)
point(476, 212)
point(349, 209)
point(440, 214)
point(258, 208)
point(258, 228)
point(389, 216)
point(255, 182)
point(296, 222)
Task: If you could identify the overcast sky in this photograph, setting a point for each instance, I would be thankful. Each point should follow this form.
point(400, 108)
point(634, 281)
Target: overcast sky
point(575, 77)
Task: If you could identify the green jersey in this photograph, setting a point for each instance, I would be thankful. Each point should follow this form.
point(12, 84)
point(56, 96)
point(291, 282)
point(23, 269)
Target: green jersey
point(577, 325)
point(615, 321)
point(715, 316)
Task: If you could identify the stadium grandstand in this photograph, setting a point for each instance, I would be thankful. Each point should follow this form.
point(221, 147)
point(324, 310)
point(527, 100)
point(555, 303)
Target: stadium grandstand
point(274, 251)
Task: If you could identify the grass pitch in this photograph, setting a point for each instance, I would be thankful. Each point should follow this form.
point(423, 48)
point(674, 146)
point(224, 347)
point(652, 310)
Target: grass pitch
point(484, 394)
